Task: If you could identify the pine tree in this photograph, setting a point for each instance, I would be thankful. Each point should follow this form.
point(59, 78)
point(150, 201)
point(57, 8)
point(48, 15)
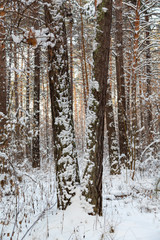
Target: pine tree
point(122, 123)
point(95, 116)
point(36, 137)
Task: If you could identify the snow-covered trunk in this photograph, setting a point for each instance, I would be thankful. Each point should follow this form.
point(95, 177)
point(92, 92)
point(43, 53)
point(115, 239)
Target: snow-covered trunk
point(149, 74)
point(3, 92)
point(36, 137)
point(113, 146)
point(96, 109)
point(16, 82)
point(65, 155)
point(28, 142)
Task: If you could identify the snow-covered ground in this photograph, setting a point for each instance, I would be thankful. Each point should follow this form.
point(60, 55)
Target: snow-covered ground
point(131, 211)
point(122, 220)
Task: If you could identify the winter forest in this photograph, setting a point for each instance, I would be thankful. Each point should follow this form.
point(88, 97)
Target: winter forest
point(80, 119)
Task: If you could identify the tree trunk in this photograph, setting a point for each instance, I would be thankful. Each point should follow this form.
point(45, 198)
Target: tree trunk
point(9, 75)
point(36, 140)
point(84, 62)
point(3, 93)
point(122, 123)
point(97, 103)
point(83, 80)
point(148, 72)
point(61, 104)
point(71, 52)
point(16, 81)
point(134, 88)
point(113, 147)
point(28, 142)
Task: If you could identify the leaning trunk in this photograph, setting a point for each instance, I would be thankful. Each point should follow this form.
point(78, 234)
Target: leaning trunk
point(95, 135)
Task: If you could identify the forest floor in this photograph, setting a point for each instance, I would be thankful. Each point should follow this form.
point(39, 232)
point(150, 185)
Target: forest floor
point(131, 210)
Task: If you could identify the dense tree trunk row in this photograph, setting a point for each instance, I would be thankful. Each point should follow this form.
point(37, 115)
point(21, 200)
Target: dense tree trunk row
point(57, 64)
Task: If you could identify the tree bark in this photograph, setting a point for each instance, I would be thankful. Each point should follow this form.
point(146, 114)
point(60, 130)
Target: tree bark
point(61, 105)
point(28, 142)
point(134, 88)
point(36, 136)
point(122, 123)
point(3, 92)
point(148, 72)
point(113, 147)
point(97, 103)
